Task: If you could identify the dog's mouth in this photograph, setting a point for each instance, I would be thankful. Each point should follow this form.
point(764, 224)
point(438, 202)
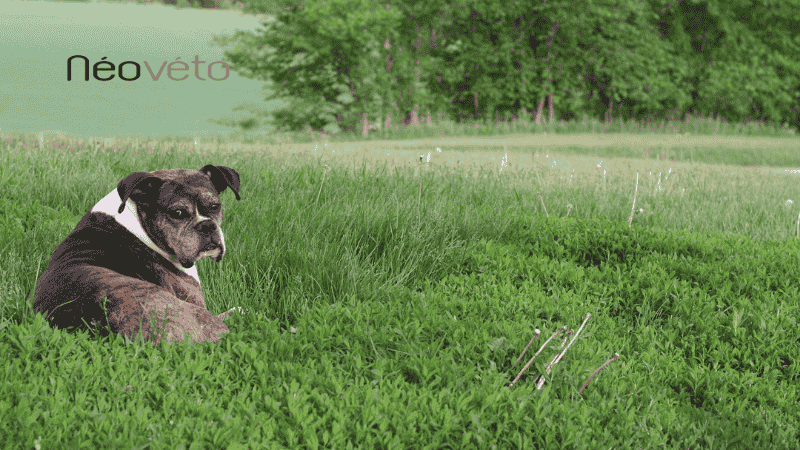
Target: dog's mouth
point(214, 252)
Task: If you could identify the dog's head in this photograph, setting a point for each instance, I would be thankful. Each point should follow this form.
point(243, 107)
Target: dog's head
point(180, 209)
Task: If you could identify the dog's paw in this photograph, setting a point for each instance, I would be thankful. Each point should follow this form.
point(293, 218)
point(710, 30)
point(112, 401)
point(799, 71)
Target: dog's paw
point(227, 314)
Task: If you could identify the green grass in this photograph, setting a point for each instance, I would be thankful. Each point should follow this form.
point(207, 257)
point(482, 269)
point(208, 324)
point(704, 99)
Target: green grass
point(695, 125)
point(444, 127)
point(382, 317)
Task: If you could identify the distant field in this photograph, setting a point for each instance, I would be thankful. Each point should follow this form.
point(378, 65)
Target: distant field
point(742, 185)
point(731, 184)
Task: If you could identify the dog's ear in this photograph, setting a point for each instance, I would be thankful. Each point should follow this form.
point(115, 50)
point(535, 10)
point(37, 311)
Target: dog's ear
point(142, 181)
point(223, 177)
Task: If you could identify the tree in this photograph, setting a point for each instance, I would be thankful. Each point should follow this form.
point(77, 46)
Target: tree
point(325, 59)
point(339, 61)
point(741, 56)
point(575, 52)
point(425, 30)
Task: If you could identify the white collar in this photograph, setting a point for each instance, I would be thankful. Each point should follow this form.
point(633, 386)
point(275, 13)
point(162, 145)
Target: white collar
point(129, 218)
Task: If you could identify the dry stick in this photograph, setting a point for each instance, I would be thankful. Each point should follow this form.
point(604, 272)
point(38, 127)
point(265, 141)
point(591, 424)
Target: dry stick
point(630, 219)
point(535, 335)
point(536, 170)
point(543, 206)
point(540, 381)
point(321, 184)
point(534, 356)
point(569, 209)
point(798, 227)
point(616, 357)
point(419, 199)
point(555, 359)
point(505, 158)
point(566, 336)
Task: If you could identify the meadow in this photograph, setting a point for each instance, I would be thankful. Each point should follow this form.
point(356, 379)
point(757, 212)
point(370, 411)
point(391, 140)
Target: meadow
point(390, 285)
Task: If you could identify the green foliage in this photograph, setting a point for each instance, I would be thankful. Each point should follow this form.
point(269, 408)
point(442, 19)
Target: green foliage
point(570, 49)
point(325, 58)
point(702, 352)
point(16, 217)
point(735, 57)
point(377, 321)
point(643, 59)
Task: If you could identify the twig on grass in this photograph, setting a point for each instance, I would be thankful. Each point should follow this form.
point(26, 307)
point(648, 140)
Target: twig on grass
point(616, 357)
point(324, 171)
point(419, 198)
point(540, 381)
point(536, 170)
point(519, 375)
point(566, 336)
point(535, 335)
point(543, 206)
point(427, 160)
point(504, 161)
point(569, 208)
point(630, 219)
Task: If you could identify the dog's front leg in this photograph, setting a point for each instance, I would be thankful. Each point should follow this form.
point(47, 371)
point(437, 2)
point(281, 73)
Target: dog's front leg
point(227, 314)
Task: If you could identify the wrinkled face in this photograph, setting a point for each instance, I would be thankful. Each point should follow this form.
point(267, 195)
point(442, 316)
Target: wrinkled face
point(183, 217)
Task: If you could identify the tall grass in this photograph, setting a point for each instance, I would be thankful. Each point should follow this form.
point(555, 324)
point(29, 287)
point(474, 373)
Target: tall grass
point(388, 297)
point(381, 205)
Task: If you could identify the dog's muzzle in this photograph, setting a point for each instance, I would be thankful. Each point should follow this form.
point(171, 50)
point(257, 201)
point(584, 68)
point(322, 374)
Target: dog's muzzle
point(216, 246)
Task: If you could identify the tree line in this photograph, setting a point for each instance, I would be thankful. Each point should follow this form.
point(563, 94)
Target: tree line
point(343, 64)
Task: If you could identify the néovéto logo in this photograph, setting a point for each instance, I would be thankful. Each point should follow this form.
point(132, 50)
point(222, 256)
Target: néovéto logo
point(108, 66)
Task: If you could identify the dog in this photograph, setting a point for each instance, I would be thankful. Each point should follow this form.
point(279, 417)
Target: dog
point(129, 264)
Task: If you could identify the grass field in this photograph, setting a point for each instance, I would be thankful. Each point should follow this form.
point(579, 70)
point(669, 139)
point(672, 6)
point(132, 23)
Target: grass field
point(388, 298)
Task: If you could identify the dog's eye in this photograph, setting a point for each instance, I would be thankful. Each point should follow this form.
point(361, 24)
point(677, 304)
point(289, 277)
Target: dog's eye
point(213, 208)
point(178, 214)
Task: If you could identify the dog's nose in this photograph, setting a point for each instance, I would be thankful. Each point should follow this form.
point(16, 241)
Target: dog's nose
point(206, 227)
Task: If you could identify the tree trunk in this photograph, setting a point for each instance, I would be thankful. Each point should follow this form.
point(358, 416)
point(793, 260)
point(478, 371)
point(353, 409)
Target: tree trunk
point(414, 117)
point(551, 112)
point(389, 63)
point(389, 60)
point(418, 46)
point(428, 118)
point(415, 112)
point(539, 112)
point(363, 125)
